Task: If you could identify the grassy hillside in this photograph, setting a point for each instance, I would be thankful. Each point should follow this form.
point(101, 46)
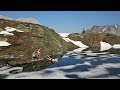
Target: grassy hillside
point(34, 36)
point(93, 39)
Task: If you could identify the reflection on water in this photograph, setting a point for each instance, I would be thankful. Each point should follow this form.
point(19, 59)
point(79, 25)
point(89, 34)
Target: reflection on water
point(81, 63)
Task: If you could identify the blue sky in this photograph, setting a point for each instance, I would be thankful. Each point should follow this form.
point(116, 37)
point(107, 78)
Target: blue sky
point(69, 21)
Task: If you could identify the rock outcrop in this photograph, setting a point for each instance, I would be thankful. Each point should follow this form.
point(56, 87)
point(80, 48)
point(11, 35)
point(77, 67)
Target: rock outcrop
point(5, 17)
point(29, 20)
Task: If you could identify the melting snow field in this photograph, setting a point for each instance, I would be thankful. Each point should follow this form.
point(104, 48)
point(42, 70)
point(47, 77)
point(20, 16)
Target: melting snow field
point(78, 43)
point(75, 64)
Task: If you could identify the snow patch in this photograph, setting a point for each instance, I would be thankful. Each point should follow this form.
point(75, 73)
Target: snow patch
point(116, 46)
point(116, 26)
point(104, 46)
point(4, 43)
point(79, 50)
point(78, 43)
point(10, 29)
point(107, 46)
point(64, 34)
point(6, 33)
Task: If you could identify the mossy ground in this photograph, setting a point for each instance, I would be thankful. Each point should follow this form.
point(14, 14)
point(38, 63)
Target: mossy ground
point(34, 37)
point(93, 39)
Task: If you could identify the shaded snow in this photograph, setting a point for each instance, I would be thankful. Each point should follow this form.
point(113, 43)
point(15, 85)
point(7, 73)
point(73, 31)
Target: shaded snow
point(56, 72)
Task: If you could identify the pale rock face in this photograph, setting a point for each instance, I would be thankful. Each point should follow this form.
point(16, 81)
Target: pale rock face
point(29, 20)
point(5, 17)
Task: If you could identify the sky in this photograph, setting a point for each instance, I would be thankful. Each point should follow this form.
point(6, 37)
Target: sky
point(68, 21)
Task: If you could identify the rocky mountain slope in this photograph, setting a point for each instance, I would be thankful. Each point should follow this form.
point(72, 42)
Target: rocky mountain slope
point(29, 20)
point(110, 29)
point(19, 40)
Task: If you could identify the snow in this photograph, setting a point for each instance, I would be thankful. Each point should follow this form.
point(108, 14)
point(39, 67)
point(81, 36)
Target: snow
point(104, 46)
point(55, 60)
point(8, 31)
point(6, 70)
point(64, 34)
point(116, 26)
point(61, 71)
point(116, 46)
point(4, 43)
point(58, 74)
point(65, 37)
point(79, 50)
point(78, 43)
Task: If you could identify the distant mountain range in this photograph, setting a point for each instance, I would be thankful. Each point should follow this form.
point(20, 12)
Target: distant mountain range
point(111, 29)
